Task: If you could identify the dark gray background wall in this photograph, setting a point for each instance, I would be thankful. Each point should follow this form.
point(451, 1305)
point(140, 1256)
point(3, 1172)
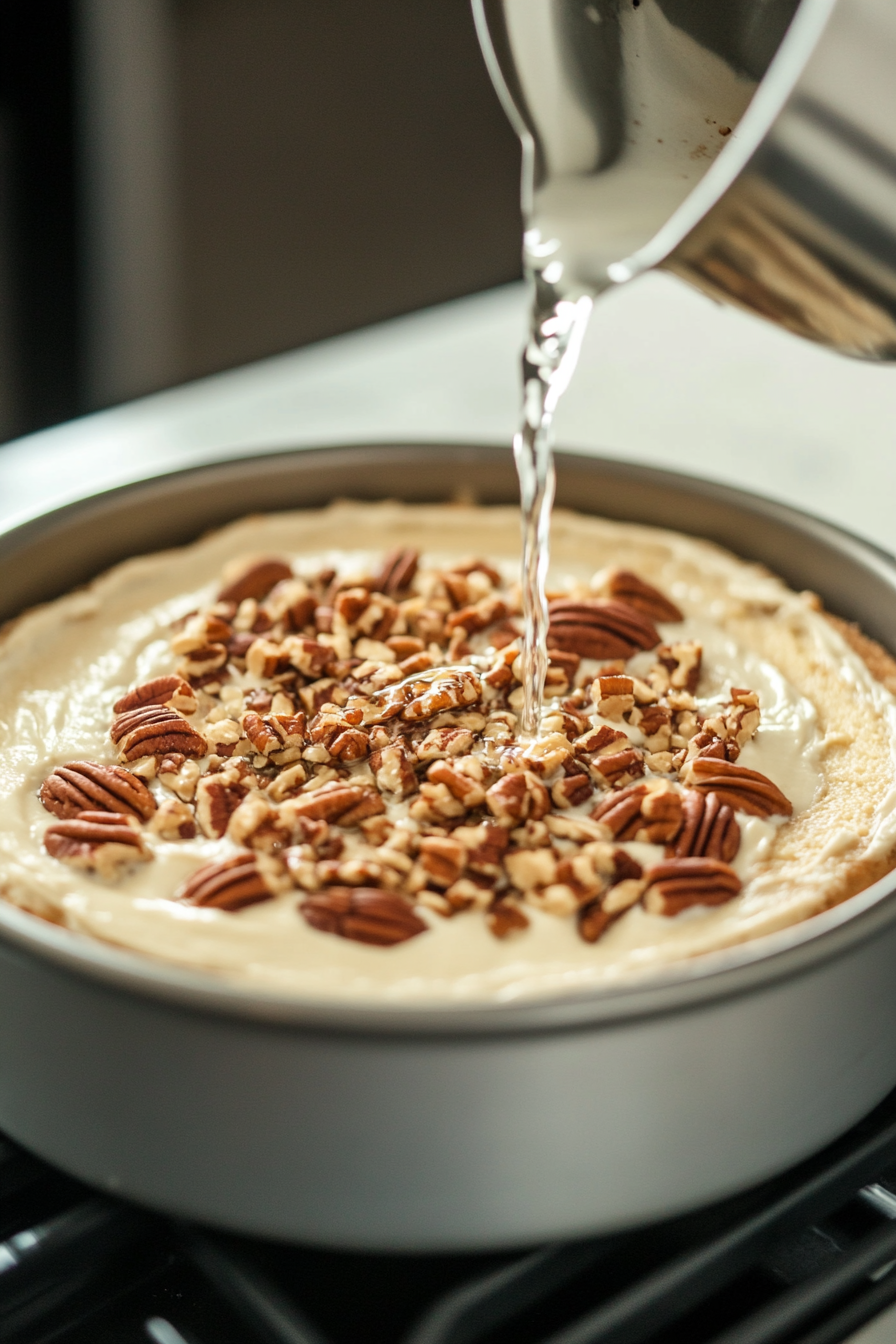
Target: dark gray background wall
point(211, 181)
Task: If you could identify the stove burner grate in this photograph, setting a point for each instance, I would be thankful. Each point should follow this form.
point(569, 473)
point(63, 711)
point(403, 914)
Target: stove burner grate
point(807, 1258)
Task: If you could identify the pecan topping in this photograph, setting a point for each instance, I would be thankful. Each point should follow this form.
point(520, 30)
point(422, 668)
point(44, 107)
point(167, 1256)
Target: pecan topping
point(397, 573)
point(81, 786)
point(709, 830)
point(104, 841)
point(599, 628)
point(255, 579)
point(363, 914)
point(676, 884)
point(155, 731)
point(633, 590)
point(170, 690)
point(743, 790)
point(230, 885)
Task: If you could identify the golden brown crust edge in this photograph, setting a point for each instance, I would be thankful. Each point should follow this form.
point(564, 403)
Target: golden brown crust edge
point(880, 664)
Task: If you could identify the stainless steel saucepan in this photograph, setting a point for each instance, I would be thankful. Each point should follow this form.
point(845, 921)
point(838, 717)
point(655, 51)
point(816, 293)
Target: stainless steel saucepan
point(439, 1128)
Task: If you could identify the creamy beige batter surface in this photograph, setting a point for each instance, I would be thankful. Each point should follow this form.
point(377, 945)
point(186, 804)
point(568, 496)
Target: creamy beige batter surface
point(826, 739)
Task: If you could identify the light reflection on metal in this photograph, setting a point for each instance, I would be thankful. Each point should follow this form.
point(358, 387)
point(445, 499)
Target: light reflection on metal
point(749, 147)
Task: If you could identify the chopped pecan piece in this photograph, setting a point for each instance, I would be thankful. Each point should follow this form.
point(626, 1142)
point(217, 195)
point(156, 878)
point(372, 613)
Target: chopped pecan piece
point(217, 798)
point(102, 841)
point(676, 884)
point(363, 914)
point(397, 572)
point(468, 791)
point(574, 788)
point(405, 646)
point(393, 769)
point(743, 790)
point(622, 766)
point(307, 655)
point(655, 722)
point(230, 885)
point(614, 695)
point(599, 741)
point(514, 798)
point(682, 663)
point(81, 786)
point(599, 628)
point(274, 733)
point(485, 846)
point(170, 690)
point(442, 859)
point(479, 616)
point(632, 589)
point(264, 659)
point(505, 919)
point(370, 805)
point(593, 921)
point(531, 868)
point(173, 820)
point(155, 731)
point(450, 690)
point(642, 813)
point(709, 829)
point(255, 578)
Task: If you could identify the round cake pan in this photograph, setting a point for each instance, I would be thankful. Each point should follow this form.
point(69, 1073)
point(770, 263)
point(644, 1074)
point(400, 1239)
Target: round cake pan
point(465, 1126)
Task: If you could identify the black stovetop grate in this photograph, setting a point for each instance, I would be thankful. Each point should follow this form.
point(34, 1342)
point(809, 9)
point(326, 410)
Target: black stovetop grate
point(804, 1259)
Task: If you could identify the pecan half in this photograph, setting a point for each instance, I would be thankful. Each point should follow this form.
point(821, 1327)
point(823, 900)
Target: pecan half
point(599, 628)
point(636, 592)
point(742, 789)
point(363, 914)
point(104, 841)
point(230, 885)
point(709, 828)
point(329, 802)
point(171, 690)
point(676, 884)
point(81, 786)
point(397, 572)
point(255, 579)
point(155, 731)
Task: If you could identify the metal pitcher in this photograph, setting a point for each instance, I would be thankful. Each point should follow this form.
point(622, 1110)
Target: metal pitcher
point(747, 145)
